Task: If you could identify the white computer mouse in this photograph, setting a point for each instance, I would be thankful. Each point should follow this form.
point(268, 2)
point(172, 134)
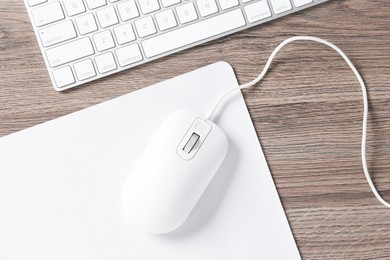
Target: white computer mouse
point(173, 172)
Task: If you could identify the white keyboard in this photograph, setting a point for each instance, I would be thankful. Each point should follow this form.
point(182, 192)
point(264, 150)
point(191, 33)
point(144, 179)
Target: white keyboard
point(83, 40)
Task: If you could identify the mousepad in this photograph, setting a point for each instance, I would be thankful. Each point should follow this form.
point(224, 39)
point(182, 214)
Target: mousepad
point(61, 181)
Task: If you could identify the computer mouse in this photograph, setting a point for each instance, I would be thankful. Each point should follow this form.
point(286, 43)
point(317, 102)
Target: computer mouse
point(173, 172)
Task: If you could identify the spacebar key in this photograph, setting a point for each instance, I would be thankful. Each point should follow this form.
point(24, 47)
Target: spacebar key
point(193, 33)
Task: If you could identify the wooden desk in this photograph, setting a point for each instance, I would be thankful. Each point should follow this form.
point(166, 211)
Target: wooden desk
point(307, 112)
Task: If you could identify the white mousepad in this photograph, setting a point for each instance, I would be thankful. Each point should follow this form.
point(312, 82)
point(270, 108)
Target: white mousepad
point(61, 181)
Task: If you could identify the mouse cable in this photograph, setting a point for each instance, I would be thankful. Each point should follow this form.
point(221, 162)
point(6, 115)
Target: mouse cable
point(223, 97)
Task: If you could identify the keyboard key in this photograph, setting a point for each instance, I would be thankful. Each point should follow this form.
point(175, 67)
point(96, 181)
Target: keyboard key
point(206, 7)
point(186, 13)
point(166, 20)
point(124, 33)
point(167, 3)
point(281, 6)
point(185, 35)
point(128, 10)
point(93, 4)
point(69, 52)
point(128, 55)
point(103, 41)
point(226, 4)
point(107, 17)
point(148, 6)
point(48, 13)
point(57, 33)
point(145, 26)
point(86, 24)
point(299, 3)
point(105, 62)
point(63, 77)
point(36, 2)
point(74, 7)
point(84, 69)
point(257, 11)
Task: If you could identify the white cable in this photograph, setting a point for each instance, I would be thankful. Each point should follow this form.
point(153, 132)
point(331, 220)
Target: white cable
point(355, 71)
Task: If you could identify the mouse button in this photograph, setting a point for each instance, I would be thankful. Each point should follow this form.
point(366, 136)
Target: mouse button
point(201, 126)
point(193, 139)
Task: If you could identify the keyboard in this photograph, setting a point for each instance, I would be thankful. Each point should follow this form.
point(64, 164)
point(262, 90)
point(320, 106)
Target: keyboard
point(84, 40)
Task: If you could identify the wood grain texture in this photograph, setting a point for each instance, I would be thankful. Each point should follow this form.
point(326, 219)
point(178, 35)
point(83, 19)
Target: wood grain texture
point(307, 112)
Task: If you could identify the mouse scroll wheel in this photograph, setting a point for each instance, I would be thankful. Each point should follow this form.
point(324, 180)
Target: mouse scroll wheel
point(194, 138)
